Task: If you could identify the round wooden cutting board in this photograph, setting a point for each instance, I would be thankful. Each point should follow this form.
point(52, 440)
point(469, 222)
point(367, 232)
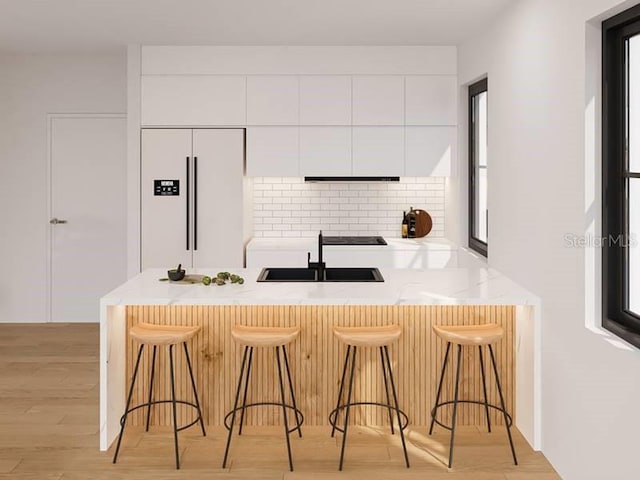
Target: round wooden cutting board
point(424, 223)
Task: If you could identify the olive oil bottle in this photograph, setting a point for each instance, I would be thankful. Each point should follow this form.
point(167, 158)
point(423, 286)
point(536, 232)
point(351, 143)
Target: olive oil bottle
point(405, 225)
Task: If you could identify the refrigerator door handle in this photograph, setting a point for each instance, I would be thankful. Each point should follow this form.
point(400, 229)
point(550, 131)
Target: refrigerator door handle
point(188, 200)
point(195, 203)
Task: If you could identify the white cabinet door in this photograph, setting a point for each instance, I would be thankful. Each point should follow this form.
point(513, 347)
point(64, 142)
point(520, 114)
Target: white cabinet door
point(218, 169)
point(272, 152)
point(193, 100)
point(378, 151)
point(272, 100)
point(431, 100)
point(325, 151)
point(430, 151)
point(378, 100)
point(325, 100)
point(165, 241)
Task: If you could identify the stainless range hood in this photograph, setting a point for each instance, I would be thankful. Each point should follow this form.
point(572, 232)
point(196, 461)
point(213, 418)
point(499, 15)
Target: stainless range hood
point(351, 179)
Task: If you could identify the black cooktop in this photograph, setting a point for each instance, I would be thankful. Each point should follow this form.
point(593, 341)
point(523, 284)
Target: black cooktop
point(356, 240)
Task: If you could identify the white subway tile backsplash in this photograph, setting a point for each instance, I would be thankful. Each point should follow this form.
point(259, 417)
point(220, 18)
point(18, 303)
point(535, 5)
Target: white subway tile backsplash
point(289, 207)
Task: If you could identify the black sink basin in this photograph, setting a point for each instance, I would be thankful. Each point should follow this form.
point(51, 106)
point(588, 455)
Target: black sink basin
point(346, 274)
point(288, 275)
point(353, 274)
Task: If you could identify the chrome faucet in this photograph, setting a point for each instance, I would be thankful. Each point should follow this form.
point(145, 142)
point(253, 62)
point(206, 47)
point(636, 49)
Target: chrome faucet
point(319, 265)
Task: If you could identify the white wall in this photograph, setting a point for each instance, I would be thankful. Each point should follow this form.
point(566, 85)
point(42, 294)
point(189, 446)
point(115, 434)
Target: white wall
point(289, 207)
point(31, 86)
point(543, 184)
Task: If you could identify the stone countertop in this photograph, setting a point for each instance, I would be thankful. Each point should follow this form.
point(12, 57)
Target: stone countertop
point(311, 244)
point(447, 286)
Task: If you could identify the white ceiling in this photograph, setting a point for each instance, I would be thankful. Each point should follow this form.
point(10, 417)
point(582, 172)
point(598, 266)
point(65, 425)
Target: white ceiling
point(109, 25)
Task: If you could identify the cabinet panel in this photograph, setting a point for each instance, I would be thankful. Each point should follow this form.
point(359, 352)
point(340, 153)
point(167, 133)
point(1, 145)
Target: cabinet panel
point(272, 152)
point(431, 100)
point(272, 100)
point(325, 100)
point(378, 100)
point(430, 151)
point(193, 100)
point(378, 151)
point(325, 151)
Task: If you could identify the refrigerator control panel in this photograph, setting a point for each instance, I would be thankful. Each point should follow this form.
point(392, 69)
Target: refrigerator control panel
point(166, 188)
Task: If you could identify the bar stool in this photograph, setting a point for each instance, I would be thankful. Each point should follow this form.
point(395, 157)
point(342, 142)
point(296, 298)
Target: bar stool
point(162, 335)
point(379, 337)
point(278, 338)
point(470, 336)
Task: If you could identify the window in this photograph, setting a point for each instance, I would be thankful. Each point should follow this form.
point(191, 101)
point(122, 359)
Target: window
point(621, 175)
point(478, 128)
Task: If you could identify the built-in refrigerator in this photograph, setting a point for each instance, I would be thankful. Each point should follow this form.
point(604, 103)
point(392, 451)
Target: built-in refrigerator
point(192, 198)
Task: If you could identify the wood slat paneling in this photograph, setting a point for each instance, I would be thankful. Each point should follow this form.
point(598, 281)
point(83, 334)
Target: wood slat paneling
point(316, 360)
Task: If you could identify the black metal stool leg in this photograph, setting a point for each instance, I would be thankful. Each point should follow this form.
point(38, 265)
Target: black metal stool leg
point(484, 388)
point(193, 385)
point(504, 409)
point(293, 395)
point(395, 400)
point(246, 387)
point(455, 405)
point(153, 368)
point(173, 406)
point(348, 405)
point(386, 389)
point(284, 409)
point(434, 411)
point(123, 420)
point(344, 374)
point(235, 406)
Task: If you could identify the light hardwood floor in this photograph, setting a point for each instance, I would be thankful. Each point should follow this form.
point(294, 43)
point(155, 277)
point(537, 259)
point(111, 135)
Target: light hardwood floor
point(49, 430)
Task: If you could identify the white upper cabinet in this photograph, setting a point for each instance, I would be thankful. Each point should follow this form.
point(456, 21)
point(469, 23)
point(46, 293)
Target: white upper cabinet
point(325, 151)
point(325, 100)
point(378, 151)
point(193, 100)
point(272, 100)
point(431, 100)
point(272, 152)
point(378, 100)
point(430, 151)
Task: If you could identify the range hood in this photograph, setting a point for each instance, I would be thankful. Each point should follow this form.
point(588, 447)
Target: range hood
point(351, 179)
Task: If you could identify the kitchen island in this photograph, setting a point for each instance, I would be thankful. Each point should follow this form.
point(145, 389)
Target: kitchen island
point(415, 299)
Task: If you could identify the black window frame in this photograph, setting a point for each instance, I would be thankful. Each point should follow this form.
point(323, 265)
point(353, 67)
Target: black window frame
point(475, 243)
point(615, 316)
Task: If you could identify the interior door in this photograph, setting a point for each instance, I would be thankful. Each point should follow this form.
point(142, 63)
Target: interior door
point(167, 213)
point(218, 163)
point(88, 207)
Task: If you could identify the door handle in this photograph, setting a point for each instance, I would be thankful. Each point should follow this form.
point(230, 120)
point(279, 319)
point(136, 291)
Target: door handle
point(195, 203)
point(56, 221)
point(188, 200)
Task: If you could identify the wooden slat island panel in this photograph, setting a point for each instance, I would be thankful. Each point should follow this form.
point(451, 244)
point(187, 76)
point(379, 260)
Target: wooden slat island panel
point(316, 360)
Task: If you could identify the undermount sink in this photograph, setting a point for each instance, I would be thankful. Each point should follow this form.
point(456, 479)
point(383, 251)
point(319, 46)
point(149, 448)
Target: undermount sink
point(339, 274)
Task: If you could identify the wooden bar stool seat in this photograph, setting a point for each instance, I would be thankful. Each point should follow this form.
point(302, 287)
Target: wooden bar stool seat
point(264, 336)
point(270, 337)
point(368, 337)
point(470, 336)
point(159, 336)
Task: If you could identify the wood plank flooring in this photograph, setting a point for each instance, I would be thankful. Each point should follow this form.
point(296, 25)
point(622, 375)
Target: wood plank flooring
point(49, 431)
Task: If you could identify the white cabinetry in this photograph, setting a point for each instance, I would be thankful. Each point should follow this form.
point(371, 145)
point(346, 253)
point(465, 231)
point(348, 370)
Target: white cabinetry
point(325, 151)
point(193, 100)
point(378, 151)
point(378, 100)
point(430, 151)
point(272, 152)
point(431, 100)
point(325, 100)
point(272, 100)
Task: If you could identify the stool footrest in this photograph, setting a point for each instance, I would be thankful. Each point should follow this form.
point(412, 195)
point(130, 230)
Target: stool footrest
point(334, 413)
point(156, 402)
point(298, 412)
point(474, 402)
